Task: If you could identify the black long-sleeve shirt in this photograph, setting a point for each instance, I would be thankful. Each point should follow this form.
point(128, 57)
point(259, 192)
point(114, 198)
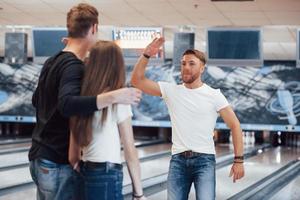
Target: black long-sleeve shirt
point(56, 98)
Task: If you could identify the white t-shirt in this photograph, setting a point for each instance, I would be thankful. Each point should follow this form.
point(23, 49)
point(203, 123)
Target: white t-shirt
point(105, 145)
point(193, 115)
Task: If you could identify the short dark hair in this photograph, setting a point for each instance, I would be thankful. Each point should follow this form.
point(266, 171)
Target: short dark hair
point(200, 55)
point(80, 19)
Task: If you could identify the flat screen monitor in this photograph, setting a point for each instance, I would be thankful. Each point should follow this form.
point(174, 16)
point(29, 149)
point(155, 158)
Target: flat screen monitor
point(47, 42)
point(234, 47)
point(182, 42)
point(133, 40)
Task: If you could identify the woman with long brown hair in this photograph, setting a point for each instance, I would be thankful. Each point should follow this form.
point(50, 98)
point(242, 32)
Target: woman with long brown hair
point(96, 139)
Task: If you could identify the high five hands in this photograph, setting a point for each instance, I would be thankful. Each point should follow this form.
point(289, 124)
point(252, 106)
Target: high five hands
point(153, 48)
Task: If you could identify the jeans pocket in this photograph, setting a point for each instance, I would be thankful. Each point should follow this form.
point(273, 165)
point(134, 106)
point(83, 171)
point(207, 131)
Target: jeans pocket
point(47, 164)
point(48, 173)
point(119, 186)
point(96, 190)
point(211, 159)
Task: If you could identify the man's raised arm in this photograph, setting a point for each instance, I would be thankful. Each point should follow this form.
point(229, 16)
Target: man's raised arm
point(138, 78)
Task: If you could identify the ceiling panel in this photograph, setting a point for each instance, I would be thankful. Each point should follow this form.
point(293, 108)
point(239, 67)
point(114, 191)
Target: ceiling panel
point(30, 2)
point(191, 12)
point(211, 22)
point(22, 18)
point(279, 5)
point(190, 7)
point(255, 15)
point(6, 8)
point(237, 6)
point(62, 6)
point(294, 22)
point(283, 15)
point(250, 22)
point(170, 20)
point(41, 7)
point(70, 2)
point(174, 15)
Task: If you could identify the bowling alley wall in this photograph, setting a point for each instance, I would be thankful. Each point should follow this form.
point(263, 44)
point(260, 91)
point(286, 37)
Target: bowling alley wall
point(265, 97)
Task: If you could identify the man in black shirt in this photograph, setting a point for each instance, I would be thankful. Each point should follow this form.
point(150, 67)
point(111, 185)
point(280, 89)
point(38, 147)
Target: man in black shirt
point(57, 98)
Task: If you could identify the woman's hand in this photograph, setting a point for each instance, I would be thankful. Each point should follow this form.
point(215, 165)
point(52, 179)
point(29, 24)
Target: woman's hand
point(76, 166)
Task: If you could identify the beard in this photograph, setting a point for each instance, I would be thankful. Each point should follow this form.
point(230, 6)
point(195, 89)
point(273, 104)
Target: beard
point(189, 78)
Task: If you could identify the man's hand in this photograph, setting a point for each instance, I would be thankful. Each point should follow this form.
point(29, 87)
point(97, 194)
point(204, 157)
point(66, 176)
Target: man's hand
point(153, 48)
point(127, 96)
point(237, 171)
point(122, 96)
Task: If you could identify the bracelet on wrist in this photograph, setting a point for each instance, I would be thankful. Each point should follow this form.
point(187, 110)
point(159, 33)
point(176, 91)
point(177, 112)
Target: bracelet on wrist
point(137, 196)
point(238, 157)
point(146, 56)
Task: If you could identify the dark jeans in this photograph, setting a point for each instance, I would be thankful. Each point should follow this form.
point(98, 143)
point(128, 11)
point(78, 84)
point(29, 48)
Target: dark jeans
point(54, 181)
point(184, 171)
point(102, 183)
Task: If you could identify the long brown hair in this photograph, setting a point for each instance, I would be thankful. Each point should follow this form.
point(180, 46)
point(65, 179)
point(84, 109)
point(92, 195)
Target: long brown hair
point(104, 72)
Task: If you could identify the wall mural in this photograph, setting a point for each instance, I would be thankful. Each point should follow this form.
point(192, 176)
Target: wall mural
point(16, 87)
point(269, 95)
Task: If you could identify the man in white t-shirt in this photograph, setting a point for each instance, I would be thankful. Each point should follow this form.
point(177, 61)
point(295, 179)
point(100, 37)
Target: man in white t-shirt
point(194, 108)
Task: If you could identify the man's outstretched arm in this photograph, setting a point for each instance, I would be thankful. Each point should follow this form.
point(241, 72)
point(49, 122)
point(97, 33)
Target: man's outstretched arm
point(138, 78)
point(229, 117)
point(70, 102)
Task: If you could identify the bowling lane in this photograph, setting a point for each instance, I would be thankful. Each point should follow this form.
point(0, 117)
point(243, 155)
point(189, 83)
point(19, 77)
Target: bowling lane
point(148, 169)
point(23, 175)
point(26, 194)
point(12, 147)
point(290, 192)
point(4, 141)
point(14, 159)
point(223, 149)
point(256, 168)
point(22, 157)
point(152, 149)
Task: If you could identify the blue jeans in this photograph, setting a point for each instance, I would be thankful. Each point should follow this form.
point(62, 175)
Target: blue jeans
point(54, 181)
point(102, 183)
point(199, 170)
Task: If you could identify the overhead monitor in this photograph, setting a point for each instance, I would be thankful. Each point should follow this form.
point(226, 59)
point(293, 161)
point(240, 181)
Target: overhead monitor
point(182, 42)
point(133, 40)
point(47, 42)
point(234, 47)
